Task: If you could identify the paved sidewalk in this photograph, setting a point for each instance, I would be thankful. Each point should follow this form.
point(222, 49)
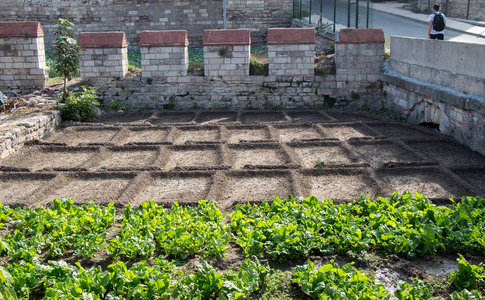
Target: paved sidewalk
point(466, 26)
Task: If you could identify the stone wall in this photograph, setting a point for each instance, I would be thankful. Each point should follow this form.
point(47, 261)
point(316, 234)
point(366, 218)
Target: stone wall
point(15, 132)
point(135, 16)
point(251, 92)
point(226, 54)
point(22, 56)
point(291, 52)
point(103, 54)
point(458, 8)
point(359, 54)
point(425, 91)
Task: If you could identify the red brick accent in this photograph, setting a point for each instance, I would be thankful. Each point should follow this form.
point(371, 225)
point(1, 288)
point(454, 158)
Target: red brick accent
point(362, 36)
point(227, 37)
point(20, 29)
point(166, 38)
point(285, 36)
point(113, 39)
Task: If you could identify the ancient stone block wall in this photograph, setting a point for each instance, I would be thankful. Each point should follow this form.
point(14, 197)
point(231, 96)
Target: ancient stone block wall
point(133, 17)
point(291, 52)
point(103, 54)
point(446, 89)
point(22, 56)
point(359, 54)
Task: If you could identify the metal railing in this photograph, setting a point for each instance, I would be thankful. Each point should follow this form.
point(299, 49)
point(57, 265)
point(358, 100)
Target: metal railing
point(352, 13)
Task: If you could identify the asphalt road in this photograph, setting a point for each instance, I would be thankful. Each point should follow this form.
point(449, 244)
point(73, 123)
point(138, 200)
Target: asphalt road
point(391, 24)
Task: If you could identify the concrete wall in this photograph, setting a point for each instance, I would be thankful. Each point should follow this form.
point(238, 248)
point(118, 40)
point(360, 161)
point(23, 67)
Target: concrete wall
point(133, 17)
point(439, 82)
point(459, 66)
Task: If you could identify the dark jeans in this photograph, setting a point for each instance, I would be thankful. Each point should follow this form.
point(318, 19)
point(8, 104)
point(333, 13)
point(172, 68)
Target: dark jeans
point(437, 36)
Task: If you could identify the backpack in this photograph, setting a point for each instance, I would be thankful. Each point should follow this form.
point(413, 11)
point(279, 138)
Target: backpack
point(438, 22)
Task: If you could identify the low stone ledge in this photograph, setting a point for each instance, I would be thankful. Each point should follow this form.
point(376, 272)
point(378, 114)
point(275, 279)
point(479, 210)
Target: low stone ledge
point(441, 93)
point(113, 39)
point(21, 30)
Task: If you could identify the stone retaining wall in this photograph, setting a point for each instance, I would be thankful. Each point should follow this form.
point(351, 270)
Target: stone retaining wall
point(18, 130)
point(434, 92)
point(22, 56)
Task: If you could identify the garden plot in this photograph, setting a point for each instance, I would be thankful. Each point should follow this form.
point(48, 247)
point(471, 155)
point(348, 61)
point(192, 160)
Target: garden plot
point(340, 185)
point(403, 131)
point(349, 131)
point(240, 134)
point(101, 188)
point(386, 152)
point(253, 186)
point(193, 157)
point(257, 156)
point(18, 188)
point(195, 134)
point(448, 153)
point(166, 188)
point(216, 117)
point(41, 158)
point(308, 116)
point(144, 136)
point(75, 136)
point(261, 117)
point(429, 181)
point(288, 133)
point(474, 176)
point(188, 156)
point(316, 154)
point(130, 158)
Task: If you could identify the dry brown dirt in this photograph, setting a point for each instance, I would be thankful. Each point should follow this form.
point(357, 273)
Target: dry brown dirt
point(234, 157)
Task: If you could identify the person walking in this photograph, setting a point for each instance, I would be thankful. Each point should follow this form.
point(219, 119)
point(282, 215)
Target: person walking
point(437, 24)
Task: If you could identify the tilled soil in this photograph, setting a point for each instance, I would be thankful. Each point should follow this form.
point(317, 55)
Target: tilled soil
point(237, 157)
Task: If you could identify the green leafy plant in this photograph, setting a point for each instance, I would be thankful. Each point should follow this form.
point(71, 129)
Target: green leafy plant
point(468, 276)
point(257, 66)
point(81, 106)
point(418, 290)
point(334, 282)
point(7, 291)
point(66, 51)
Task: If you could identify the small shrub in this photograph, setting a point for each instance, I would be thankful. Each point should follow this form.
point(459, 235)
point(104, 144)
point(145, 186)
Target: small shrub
point(81, 107)
point(258, 67)
point(116, 105)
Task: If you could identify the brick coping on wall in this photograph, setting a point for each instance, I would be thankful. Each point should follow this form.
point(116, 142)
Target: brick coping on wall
point(285, 36)
point(227, 37)
point(112, 39)
point(361, 36)
point(166, 38)
point(21, 30)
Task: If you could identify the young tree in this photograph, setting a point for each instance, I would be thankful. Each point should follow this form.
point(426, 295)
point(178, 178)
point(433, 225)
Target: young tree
point(66, 50)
